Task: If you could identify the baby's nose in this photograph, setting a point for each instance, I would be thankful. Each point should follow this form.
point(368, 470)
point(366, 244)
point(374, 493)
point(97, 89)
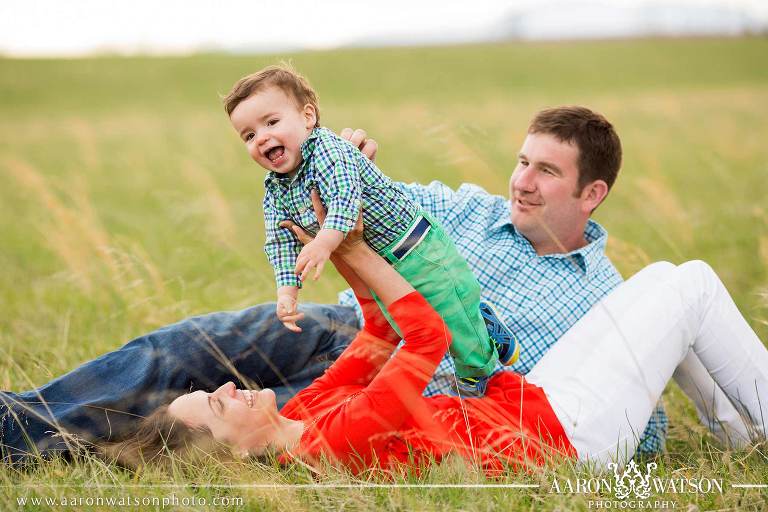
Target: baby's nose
point(262, 138)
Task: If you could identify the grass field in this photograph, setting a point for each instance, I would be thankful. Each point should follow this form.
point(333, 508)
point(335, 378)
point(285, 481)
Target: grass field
point(128, 203)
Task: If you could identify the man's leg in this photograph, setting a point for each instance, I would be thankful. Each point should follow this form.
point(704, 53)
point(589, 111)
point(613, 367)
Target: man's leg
point(604, 377)
point(713, 407)
point(103, 398)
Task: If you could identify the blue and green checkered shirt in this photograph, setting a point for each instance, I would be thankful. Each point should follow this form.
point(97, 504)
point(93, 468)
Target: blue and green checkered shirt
point(540, 297)
point(345, 179)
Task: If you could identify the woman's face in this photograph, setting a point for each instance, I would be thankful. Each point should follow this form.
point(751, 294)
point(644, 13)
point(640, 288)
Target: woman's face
point(241, 419)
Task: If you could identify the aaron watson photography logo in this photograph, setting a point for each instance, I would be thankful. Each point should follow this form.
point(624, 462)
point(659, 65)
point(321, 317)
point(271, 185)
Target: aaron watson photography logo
point(633, 488)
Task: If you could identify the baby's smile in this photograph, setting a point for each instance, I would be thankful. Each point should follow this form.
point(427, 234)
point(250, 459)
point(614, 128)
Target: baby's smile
point(275, 154)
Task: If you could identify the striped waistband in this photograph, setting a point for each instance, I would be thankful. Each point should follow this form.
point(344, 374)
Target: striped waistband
point(411, 239)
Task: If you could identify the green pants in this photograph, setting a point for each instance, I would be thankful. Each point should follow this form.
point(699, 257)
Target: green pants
point(437, 270)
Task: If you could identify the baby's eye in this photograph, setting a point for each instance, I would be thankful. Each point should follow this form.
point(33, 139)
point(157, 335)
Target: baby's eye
point(248, 137)
point(272, 122)
point(524, 163)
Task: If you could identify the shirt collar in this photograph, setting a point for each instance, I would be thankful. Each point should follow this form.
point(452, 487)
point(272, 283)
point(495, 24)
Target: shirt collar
point(307, 147)
point(504, 221)
point(588, 258)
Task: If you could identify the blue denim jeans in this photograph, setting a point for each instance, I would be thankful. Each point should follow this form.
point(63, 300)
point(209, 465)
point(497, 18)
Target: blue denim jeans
point(104, 398)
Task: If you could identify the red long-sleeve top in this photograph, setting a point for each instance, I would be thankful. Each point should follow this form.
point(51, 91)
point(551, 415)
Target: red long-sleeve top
point(367, 410)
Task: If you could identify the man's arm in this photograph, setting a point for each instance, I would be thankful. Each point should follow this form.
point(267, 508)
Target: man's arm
point(436, 198)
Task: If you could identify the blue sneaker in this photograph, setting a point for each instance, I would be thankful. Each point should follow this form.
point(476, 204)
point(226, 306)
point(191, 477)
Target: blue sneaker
point(506, 342)
point(472, 387)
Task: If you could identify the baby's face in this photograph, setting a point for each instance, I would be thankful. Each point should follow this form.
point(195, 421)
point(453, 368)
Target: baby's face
point(273, 128)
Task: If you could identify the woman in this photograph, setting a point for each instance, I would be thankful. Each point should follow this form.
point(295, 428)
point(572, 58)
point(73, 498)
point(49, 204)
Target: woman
point(588, 398)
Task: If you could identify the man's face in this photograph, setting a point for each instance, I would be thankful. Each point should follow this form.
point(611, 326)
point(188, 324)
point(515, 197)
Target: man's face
point(273, 128)
point(545, 206)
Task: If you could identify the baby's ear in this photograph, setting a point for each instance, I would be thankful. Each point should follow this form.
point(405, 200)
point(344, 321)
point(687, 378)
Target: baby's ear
point(310, 115)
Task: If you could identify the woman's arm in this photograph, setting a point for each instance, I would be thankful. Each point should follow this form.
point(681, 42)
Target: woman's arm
point(393, 385)
point(376, 273)
point(354, 429)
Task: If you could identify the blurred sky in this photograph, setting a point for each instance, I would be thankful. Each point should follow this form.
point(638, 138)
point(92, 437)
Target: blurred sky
point(78, 27)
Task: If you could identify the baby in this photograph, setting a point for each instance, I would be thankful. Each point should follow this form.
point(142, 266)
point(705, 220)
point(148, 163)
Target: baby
point(276, 114)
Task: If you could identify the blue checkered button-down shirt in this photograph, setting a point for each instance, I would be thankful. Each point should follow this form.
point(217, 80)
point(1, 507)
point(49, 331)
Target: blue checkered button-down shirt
point(345, 179)
point(540, 297)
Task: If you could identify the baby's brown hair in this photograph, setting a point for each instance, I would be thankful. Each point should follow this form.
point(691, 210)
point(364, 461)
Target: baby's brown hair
point(283, 77)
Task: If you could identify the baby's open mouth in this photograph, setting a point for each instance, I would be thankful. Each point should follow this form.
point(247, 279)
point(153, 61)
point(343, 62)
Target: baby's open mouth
point(275, 153)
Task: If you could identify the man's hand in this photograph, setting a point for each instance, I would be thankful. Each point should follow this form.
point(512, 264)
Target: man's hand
point(360, 140)
point(287, 308)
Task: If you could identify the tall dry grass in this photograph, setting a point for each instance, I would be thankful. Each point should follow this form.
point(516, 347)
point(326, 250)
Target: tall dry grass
point(127, 204)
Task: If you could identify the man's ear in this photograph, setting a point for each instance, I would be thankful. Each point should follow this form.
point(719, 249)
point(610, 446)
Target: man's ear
point(593, 194)
point(310, 115)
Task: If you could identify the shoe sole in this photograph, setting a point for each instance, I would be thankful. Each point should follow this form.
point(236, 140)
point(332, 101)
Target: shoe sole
point(516, 352)
point(471, 392)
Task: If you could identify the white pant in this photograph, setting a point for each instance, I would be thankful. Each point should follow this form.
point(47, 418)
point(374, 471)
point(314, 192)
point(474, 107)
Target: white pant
point(605, 375)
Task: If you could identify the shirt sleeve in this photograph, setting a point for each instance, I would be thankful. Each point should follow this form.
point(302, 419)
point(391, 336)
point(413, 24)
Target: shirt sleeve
point(347, 298)
point(451, 207)
point(339, 183)
point(394, 385)
point(281, 246)
point(437, 198)
point(654, 436)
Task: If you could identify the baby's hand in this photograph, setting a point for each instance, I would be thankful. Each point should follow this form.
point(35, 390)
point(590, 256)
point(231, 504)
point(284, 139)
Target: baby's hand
point(314, 254)
point(288, 313)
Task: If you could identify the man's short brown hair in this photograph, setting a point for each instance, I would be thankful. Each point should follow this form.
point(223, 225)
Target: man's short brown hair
point(599, 145)
point(283, 77)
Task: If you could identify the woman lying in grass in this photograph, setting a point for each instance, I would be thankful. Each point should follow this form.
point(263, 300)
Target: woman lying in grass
point(588, 398)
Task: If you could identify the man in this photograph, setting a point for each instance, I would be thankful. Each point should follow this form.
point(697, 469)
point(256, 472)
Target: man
point(538, 257)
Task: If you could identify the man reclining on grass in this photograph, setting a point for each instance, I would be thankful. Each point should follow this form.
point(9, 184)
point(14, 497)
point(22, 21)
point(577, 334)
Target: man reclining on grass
point(537, 256)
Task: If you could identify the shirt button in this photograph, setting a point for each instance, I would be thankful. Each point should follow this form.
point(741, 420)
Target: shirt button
point(302, 209)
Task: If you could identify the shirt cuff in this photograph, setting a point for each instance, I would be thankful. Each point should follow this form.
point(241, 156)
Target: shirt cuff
point(342, 215)
point(286, 277)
